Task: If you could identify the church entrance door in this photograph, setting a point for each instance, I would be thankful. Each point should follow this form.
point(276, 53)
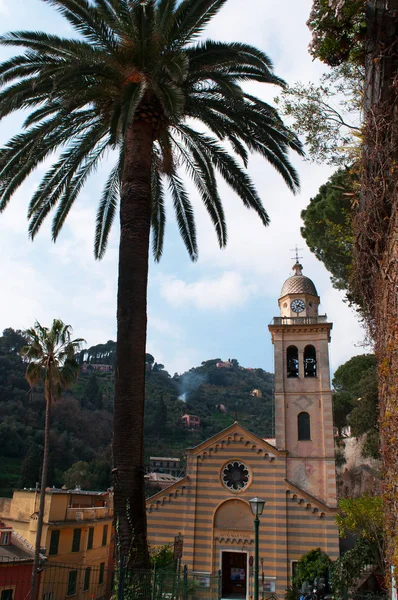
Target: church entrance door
point(234, 575)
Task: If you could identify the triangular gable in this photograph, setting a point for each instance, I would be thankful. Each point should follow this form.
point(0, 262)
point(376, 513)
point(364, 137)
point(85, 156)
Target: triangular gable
point(171, 491)
point(236, 431)
point(307, 501)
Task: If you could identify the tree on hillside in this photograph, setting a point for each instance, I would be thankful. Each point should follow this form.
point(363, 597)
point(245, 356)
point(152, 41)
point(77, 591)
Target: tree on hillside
point(92, 393)
point(134, 82)
point(11, 340)
point(31, 466)
point(50, 354)
point(355, 401)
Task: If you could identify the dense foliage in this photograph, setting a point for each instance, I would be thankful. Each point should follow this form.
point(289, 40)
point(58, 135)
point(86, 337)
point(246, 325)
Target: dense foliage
point(328, 228)
point(362, 518)
point(338, 31)
point(314, 563)
point(81, 429)
point(355, 401)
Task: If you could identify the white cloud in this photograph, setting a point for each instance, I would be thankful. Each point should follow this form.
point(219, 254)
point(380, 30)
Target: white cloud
point(222, 293)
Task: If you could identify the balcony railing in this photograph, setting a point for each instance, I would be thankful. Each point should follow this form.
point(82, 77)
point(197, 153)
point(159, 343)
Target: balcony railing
point(299, 320)
point(88, 514)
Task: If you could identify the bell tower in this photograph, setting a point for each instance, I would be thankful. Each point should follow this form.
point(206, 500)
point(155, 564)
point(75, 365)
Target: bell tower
point(303, 398)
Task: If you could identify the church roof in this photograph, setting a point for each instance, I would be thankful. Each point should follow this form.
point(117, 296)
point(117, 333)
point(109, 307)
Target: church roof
point(298, 283)
point(234, 430)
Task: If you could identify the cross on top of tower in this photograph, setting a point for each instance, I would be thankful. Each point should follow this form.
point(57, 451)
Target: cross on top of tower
point(296, 250)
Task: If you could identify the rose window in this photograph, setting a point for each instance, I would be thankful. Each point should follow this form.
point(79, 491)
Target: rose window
point(235, 476)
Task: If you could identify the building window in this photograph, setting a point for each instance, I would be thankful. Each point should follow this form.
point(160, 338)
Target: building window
point(76, 540)
point(310, 366)
point(72, 580)
point(6, 594)
point(104, 535)
point(5, 538)
point(101, 573)
point(235, 476)
point(90, 538)
point(292, 361)
point(304, 427)
point(54, 541)
point(86, 583)
point(294, 564)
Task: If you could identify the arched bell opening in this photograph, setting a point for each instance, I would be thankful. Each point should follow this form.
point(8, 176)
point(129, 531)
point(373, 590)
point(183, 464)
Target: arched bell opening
point(310, 362)
point(292, 361)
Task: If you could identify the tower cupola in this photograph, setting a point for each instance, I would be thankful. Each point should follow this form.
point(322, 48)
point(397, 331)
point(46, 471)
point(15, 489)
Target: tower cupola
point(299, 297)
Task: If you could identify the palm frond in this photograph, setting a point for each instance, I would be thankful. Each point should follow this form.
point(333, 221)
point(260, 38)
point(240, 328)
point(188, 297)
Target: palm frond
point(158, 217)
point(106, 211)
point(184, 215)
point(84, 19)
point(201, 171)
point(60, 177)
point(74, 186)
point(238, 179)
point(191, 17)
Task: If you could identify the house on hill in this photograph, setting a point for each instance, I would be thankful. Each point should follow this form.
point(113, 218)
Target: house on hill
point(190, 421)
point(295, 474)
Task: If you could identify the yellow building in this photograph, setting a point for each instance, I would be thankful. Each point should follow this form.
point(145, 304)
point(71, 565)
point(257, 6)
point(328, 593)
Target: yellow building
point(76, 531)
point(294, 473)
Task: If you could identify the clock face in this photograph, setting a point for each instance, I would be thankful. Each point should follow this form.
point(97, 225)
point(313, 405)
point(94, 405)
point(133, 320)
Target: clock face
point(297, 306)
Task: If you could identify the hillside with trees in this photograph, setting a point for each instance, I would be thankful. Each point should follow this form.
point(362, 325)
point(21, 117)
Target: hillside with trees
point(81, 428)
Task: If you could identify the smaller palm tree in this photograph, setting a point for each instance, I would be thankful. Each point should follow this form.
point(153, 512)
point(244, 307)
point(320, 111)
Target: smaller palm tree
point(51, 356)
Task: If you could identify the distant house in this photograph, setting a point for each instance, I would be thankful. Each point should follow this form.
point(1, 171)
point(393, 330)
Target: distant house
point(164, 464)
point(224, 365)
point(16, 562)
point(190, 421)
point(96, 367)
point(256, 393)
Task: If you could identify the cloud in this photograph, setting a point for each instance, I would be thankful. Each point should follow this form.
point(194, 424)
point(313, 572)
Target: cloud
point(222, 293)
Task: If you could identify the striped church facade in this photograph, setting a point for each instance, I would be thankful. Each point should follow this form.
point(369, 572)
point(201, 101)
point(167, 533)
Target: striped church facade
point(212, 520)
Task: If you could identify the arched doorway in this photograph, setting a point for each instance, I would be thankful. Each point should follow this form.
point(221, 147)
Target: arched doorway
point(233, 529)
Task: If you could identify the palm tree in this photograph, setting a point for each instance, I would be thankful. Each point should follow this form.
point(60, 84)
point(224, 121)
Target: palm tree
point(51, 359)
point(136, 81)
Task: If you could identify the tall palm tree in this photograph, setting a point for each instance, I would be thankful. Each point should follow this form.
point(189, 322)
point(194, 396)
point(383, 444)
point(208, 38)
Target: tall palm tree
point(137, 80)
point(51, 359)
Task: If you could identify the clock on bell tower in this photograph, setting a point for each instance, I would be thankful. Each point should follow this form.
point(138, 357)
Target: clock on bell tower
point(303, 398)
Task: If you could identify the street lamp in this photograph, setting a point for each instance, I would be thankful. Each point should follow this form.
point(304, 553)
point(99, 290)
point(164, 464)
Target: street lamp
point(257, 507)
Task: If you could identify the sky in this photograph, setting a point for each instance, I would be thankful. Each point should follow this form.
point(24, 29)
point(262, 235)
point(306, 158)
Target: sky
point(218, 307)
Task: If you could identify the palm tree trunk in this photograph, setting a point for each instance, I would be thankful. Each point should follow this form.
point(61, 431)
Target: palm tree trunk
point(128, 440)
point(46, 451)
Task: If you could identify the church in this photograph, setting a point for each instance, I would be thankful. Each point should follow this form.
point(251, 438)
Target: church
point(294, 473)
